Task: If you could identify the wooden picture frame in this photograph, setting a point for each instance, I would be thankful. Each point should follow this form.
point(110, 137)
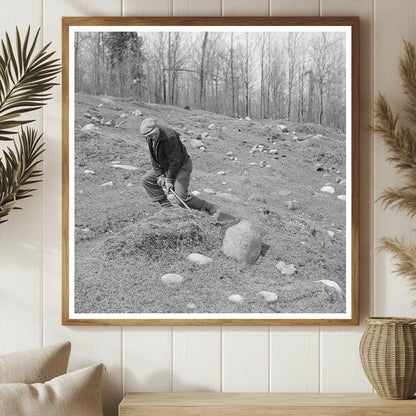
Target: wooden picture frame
point(328, 233)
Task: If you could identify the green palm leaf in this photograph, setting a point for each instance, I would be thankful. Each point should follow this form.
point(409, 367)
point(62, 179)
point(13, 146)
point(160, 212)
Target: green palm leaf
point(25, 79)
point(18, 169)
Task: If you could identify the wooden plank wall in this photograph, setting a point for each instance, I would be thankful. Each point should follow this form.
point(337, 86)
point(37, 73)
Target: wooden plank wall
point(261, 359)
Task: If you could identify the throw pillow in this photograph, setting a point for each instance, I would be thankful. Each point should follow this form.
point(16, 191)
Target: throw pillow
point(35, 366)
point(73, 394)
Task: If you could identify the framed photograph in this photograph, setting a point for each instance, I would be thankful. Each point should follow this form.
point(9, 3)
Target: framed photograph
point(210, 171)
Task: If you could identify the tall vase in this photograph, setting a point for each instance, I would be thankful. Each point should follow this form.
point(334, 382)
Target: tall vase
point(388, 356)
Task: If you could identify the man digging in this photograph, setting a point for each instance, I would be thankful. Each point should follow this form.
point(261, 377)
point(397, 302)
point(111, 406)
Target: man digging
point(172, 167)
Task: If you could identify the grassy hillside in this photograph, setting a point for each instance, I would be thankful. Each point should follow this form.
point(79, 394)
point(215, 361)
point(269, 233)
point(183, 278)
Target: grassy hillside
point(120, 258)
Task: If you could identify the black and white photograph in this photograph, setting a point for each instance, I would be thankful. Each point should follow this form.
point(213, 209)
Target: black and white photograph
point(210, 172)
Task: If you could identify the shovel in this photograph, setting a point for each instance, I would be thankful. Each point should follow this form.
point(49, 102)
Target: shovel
point(179, 199)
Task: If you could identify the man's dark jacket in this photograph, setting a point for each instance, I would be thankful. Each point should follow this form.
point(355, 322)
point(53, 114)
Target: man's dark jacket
point(167, 153)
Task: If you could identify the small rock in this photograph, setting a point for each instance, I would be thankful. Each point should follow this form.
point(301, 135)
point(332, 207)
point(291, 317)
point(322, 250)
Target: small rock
point(273, 151)
point(338, 172)
point(124, 115)
point(242, 242)
point(199, 259)
point(137, 113)
point(191, 306)
point(85, 230)
point(248, 118)
point(221, 172)
point(338, 179)
point(287, 269)
point(331, 283)
point(283, 128)
point(253, 163)
point(89, 126)
point(107, 184)
point(197, 143)
point(117, 162)
point(209, 191)
point(195, 193)
point(212, 126)
point(110, 123)
point(125, 167)
point(331, 233)
point(328, 189)
point(88, 171)
point(87, 115)
point(229, 153)
point(129, 185)
point(229, 197)
point(292, 205)
point(172, 279)
point(202, 148)
point(236, 298)
point(262, 163)
point(342, 197)
point(224, 128)
point(268, 166)
point(268, 296)
point(204, 135)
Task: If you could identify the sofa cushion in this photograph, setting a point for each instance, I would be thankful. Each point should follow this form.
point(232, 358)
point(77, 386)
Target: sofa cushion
point(73, 394)
point(35, 366)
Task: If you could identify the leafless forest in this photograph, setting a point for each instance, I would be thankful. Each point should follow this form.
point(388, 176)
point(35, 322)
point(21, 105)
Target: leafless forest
point(298, 76)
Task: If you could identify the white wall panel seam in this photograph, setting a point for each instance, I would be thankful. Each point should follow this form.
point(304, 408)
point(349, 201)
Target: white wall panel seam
point(172, 369)
point(221, 356)
point(270, 342)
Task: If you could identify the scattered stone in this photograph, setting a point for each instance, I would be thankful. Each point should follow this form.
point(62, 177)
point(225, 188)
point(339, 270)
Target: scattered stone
point(107, 184)
point(100, 105)
point(338, 172)
point(212, 126)
point(202, 148)
point(242, 242)
point(204, 135)
point(221, 172)
point(253, 163)
point(229, 197)
point(129, 185)
point(85, 230)
point(88, 171)
point(292, 205)
point(199, 259)
point(268, 166)
point(191, 306)
point(197, 143)
point(331, 283)
point(110, 123)
point(284, 193)
point(223, 218)
point(209, 191)
point(328, 189)
point(90, 126)
point(262, 163)
point(248, 118)
point(224, 128)
point(287, 269)
point(115, 162)
point(268, 296)
point(87, 115)
point(283, 128)
point(196, 193)
point(319, 167)
point(137, 113)
point(342, 197)
point(229, 153)
point(124, 115)
point(236, 298)
point(125, 167)
point(331, 233)
point(172, 279)
point(224, 183)
point(338, 179)
point(273, 151)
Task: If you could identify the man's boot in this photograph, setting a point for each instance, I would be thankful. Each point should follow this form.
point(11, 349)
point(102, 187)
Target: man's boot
point(201, 205)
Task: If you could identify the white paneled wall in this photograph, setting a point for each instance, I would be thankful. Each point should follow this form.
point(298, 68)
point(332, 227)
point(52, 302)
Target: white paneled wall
point(298, 359)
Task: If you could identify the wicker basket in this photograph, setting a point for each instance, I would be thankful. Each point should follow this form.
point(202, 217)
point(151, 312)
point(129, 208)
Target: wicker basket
point(388, 356)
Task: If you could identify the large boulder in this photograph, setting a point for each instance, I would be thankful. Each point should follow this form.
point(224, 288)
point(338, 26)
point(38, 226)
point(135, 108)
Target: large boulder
point(242, 242)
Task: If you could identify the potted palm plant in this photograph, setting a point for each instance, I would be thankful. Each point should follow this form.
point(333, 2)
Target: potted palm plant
point(26, 78)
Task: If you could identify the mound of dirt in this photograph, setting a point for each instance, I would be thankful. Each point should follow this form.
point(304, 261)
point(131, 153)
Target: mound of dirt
point(169, 229)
